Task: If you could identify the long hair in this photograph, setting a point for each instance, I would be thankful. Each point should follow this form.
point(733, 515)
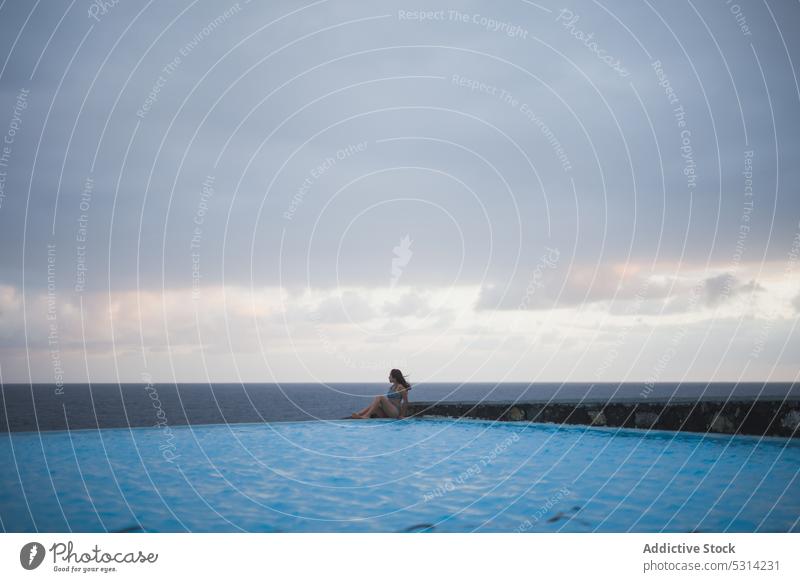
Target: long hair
point(398, 377)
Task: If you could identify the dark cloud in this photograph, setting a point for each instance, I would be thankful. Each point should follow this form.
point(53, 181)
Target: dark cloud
point(486, 160)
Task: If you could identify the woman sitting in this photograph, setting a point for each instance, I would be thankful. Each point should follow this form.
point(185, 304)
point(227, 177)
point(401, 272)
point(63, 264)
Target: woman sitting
point(391, 405)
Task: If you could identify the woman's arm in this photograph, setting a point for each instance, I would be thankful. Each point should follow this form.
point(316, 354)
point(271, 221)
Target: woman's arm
point(403, 403)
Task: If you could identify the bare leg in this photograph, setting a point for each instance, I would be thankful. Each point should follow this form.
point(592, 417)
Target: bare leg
point(376, 404)
point(370, 410)
point(377, 413)
point(389, 408)
point(381, 403)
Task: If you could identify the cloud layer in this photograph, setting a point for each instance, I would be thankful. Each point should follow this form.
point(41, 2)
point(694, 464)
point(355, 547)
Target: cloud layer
point(316, 191)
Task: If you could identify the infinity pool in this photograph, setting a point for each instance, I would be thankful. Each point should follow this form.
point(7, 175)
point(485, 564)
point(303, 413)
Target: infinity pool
point(412, 475)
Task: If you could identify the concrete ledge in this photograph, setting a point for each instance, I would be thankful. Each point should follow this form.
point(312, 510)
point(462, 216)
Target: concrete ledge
point(779, 418)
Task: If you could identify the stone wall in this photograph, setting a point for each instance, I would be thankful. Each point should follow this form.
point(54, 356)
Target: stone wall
point(749, 417)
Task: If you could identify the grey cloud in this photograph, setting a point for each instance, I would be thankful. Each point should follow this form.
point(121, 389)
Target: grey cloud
point(619, 204)
point(349, 307)
point(721, 288)
point(542, 145)
point(580, 285)
point(408, 304)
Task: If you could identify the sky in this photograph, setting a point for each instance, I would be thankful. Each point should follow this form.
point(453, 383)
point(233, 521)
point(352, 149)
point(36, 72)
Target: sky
point(304, 192)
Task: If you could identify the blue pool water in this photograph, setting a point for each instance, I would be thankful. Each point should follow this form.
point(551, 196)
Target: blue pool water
point(411, 475)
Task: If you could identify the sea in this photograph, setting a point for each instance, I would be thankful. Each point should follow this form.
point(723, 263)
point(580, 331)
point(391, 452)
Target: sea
point(44, 407)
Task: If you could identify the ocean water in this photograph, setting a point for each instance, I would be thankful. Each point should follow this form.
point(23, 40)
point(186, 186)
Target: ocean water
point(407, 475)
point(40, 407)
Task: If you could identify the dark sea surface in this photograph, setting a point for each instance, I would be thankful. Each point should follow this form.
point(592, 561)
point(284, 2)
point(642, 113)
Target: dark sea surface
point(26, 407)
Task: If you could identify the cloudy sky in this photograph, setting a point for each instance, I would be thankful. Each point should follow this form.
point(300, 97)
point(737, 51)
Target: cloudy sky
point(321, 191)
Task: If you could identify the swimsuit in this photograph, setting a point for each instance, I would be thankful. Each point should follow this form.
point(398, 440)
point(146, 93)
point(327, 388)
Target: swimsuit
point(398, 396)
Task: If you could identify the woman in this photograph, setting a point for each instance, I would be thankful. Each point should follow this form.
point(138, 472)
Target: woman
point(393, 404)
